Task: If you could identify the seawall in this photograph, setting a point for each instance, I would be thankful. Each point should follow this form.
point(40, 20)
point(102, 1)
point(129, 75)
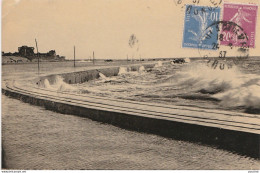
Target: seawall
point(83, 76)
point(231, 131)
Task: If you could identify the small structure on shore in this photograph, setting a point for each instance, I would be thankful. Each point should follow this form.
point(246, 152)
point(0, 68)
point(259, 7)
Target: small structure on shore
point(178, 61)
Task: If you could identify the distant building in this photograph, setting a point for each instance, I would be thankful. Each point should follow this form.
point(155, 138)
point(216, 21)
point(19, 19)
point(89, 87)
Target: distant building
point(26, 51)
point(51, 53)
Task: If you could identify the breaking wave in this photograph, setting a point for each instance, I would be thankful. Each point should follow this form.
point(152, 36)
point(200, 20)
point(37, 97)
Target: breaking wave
point(122, 70)
point(187, 60)
point(141, 69)
point(102, 76)
point(207, 80)
point(230, 86)
point(159, 64)
point(246, 95)
point(58, 84)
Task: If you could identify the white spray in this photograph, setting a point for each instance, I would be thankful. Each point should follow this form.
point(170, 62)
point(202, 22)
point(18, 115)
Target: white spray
point(122, 70)
point(141, 69)
point(58, 84)
point(187, 60)
point(159, 64)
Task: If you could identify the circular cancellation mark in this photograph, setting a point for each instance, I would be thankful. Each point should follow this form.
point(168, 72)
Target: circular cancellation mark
point(230, 47)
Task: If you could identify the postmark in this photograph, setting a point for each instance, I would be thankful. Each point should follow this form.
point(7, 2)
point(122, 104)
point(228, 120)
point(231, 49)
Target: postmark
point(197, 19)
point(212, 3)
point(226, 42)
point(244, 15)
point(234, 51)
point(235, 36)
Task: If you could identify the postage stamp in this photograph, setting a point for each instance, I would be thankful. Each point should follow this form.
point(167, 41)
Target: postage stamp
point(228, 55)
point(235, 37)
point(244, 16)
point(197, 20)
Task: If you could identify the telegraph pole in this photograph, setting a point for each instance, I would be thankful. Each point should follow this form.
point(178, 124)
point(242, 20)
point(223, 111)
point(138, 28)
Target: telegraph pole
point(38, 56)
point(74, 57)
point(93, 57)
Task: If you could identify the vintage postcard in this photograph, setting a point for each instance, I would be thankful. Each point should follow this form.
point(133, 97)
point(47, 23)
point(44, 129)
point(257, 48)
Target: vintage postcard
point(130, 85)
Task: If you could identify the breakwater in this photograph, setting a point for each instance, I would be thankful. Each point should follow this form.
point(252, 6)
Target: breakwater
point(83, 76)
point(232, 131)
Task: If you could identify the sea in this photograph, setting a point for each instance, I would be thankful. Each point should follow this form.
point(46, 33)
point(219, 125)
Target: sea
point(36, 138)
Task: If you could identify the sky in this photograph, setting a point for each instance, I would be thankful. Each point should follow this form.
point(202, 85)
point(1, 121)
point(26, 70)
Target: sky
point(103, 26)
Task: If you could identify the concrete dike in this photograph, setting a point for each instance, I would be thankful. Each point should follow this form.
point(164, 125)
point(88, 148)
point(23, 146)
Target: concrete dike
point(83, 76)
point(235, 132)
